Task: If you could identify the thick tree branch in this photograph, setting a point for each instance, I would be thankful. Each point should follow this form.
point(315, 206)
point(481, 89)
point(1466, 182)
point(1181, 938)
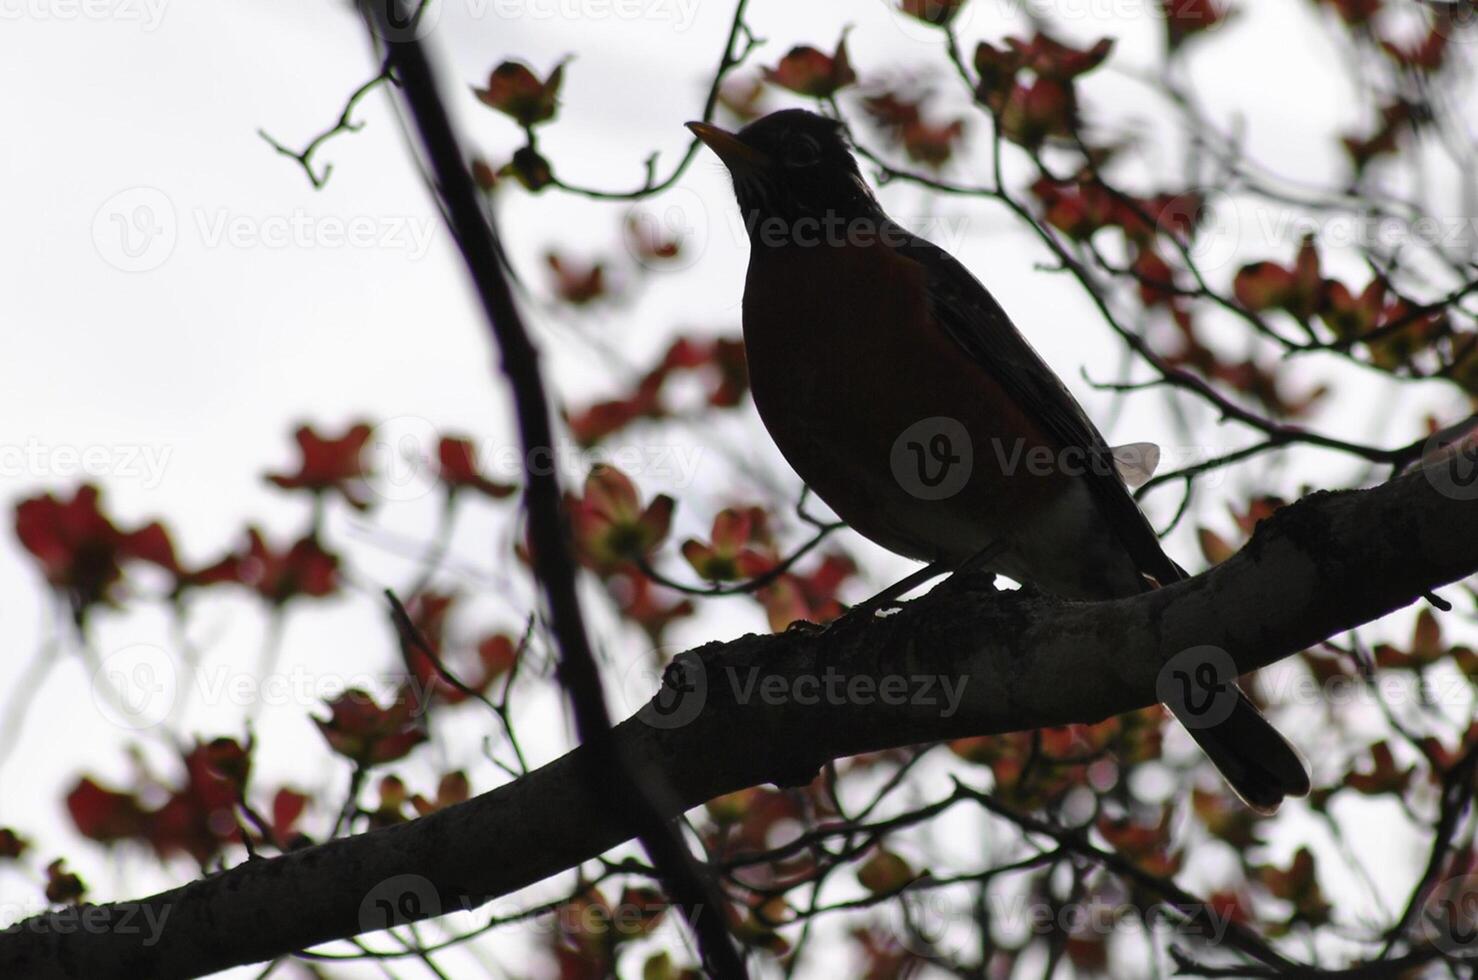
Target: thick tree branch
point(1320, 566)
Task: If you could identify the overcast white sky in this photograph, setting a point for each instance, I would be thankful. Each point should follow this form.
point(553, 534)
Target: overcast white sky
point(182, 361)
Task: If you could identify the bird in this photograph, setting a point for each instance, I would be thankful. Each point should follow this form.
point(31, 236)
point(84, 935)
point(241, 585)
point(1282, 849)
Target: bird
point(905, 397)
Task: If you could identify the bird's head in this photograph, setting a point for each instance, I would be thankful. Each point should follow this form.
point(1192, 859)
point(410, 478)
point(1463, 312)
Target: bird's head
point(791, 164)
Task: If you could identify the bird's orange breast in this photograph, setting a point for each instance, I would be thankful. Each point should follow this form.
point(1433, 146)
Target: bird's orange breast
point(852, 377)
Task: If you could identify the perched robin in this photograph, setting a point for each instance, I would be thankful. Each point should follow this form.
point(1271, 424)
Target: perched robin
point(904, 396)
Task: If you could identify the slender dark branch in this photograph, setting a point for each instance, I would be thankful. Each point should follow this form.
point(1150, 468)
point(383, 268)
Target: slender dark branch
point(1397, 324)
point(1187, 493)
point(1457, 799)
point(824, 832)
point(1207, 465)
point(1375, 970)
point(492, 924)
point(345, 124)
point(1237, 936)
point(748, 585)
point(737, 46)
point(413, 640)
point(549, 534)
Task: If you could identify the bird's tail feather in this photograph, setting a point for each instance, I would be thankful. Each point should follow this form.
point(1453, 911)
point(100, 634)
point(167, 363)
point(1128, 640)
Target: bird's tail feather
point(1256, 761)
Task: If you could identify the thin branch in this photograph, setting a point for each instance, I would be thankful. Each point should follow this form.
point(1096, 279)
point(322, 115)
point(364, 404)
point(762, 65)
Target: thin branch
point(1457, 799)
point(553, 560)
point(345, 124)
point(748, 585)
point(737, 46)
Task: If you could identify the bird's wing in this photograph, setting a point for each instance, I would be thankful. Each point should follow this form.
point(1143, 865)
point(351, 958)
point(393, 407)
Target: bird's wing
point(975, 321)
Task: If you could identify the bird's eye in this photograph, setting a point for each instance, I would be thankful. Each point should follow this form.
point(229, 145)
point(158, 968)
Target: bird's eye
point(802, 151)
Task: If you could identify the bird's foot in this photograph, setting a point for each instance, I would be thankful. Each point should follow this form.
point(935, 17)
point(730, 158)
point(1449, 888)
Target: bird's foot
point(975, 575)
point(966, 580)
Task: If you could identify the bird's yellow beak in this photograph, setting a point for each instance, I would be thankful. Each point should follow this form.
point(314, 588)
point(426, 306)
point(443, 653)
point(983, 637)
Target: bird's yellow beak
point(734, 152)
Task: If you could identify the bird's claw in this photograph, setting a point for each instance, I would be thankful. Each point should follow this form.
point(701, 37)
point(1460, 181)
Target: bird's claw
point(971, 580)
